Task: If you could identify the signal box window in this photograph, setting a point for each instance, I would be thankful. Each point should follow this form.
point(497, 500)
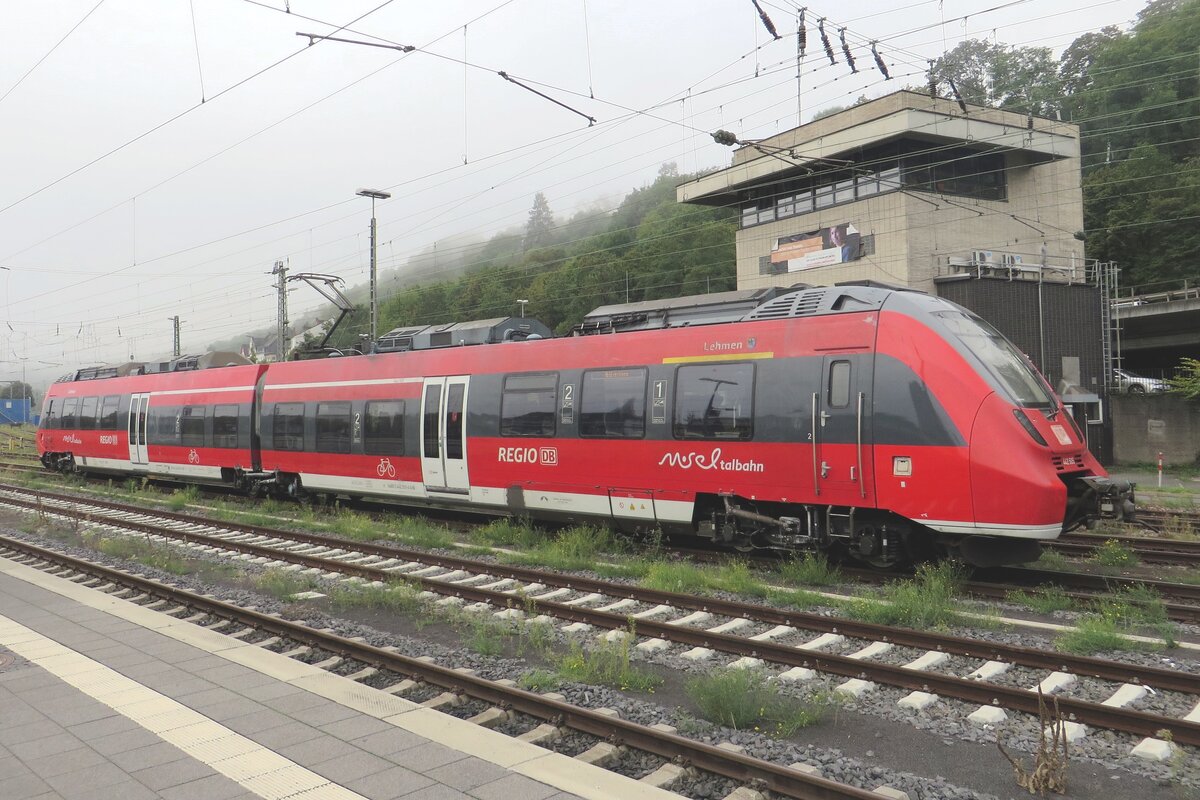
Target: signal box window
point(333, 427)
point(108, 413)
point(384, 429)
point(527, 406)
point(70, 413)
point(714, 402)
point(87, 413)
point(839, 384)
point(225, 426)
point(613, 404)
point(191, 426)
point(288, 426)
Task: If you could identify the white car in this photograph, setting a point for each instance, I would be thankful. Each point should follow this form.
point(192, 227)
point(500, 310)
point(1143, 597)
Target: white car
point(1132, 383)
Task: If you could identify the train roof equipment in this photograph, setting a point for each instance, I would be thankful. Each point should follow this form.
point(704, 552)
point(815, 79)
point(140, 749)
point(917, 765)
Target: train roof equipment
point(458, 334)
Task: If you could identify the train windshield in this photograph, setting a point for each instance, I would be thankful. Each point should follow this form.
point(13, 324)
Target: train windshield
point(1006, 364)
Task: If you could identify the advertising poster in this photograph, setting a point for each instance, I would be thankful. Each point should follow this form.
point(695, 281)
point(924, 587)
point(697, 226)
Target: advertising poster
point(822, 248)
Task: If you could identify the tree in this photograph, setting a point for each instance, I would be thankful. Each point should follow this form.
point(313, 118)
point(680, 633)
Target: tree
point(1187, 382)
point(1023, 79)
point(540, 224)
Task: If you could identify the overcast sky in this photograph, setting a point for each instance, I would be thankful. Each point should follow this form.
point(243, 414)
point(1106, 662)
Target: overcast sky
point(125, 199)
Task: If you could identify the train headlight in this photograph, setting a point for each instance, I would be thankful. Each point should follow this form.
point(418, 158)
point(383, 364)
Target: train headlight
point(1027, 424)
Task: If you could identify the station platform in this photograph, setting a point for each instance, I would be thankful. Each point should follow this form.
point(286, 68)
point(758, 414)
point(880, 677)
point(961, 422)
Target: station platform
point(100, 699)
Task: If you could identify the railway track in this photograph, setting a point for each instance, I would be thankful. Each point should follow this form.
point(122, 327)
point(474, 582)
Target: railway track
point(929, 665)
point(1152, 550)
point(550, 715)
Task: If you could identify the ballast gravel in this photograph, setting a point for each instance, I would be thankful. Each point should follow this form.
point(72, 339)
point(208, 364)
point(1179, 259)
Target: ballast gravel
point(946, 718)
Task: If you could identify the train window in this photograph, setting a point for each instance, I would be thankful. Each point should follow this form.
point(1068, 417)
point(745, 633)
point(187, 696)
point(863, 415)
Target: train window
point(527, 405)
point(108, 413)
point(839, 384)
point(433, 404)
point(455, 395)
point(613, 404)
point(70, 412)
point(287, 428)
point(87, 413)
point(164, 425)
point(225, 426)
point(333, 427)
point(714, 401)
point(384, 434)
point(191, 425)
point(51, 420)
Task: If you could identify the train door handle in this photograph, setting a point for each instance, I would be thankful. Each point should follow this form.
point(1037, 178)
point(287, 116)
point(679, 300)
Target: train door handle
point(824, 416)
point(824, 469)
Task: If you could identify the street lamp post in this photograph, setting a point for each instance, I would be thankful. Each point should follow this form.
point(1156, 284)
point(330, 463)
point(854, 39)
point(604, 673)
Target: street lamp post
point(374, 195)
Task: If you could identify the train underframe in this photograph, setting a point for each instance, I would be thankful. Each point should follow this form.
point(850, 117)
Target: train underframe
point(883, 539)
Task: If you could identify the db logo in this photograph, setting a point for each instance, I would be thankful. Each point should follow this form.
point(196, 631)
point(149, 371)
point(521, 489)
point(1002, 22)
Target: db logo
point(193, 457)
point(549, 456)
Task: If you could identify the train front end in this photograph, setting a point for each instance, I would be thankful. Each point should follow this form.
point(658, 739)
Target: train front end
point(1032, 475)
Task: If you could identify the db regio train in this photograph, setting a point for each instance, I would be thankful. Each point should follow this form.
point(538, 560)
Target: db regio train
point(871, 421)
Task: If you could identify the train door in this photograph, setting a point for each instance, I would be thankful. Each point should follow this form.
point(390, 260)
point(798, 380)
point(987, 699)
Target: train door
point(444, 435)
point(838, 410)
point(139, 412)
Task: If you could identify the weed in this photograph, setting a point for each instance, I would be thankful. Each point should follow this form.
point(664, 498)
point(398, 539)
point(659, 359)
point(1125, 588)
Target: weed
point(744, 699)
point(399, 597)
point(1049, 770)
point(1053, 560)
point(1176, 527)
point(486, 637)
point(142, 551)
point(606, 665)
point(812, 569)
point(576, 548)
point(508, 533)
point(540, 680)
point(358, 527)
point(182, 498)
point(283, 585)
point(420, 532)
point(927, 601)
point(1133, 605)
point(1112, 553)
point(676, 576)
point(1096, 634)
point(1044, 600)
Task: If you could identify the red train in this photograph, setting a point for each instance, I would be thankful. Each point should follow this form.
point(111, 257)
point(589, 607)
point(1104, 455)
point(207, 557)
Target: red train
point(880, 422)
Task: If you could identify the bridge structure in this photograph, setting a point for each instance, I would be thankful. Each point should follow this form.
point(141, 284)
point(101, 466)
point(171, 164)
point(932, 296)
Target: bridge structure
point(1157, 325)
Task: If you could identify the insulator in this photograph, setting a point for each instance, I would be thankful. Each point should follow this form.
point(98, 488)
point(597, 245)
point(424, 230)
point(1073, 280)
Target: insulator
point(879, 63)
point(825, 41)
point(846, 50)
point(957, 96)
point(801, 33)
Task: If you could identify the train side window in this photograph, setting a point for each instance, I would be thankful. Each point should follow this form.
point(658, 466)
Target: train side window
point(163, 425)
point(527, 406)
point(839, 384)
point(52, 414)
point(384, 429)
point(225, 426)
point(108, 413)
point(433, 408)
point(191, 425)
point(714, 401)
point(287, 429)
point(87, 413)
point(70, 413)
point(333, 427)
point(613, 405)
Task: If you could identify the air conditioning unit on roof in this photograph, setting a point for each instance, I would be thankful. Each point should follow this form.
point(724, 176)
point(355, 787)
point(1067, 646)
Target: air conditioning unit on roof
point(982, 256)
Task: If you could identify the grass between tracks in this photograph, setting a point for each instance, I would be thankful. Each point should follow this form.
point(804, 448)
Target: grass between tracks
point(745, 699)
